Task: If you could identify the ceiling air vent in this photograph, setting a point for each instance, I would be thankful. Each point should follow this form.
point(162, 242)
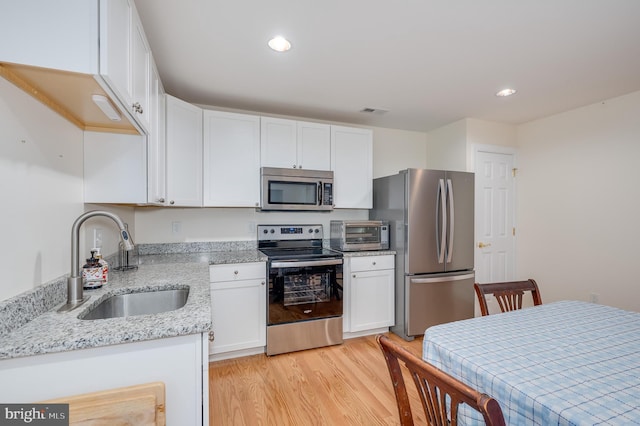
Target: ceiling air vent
point(368, 110)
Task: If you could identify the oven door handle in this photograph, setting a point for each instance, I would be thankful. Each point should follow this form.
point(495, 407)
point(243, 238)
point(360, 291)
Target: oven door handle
point(298, 264)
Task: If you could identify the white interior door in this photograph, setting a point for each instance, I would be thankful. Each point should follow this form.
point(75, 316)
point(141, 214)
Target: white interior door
point(495, 216)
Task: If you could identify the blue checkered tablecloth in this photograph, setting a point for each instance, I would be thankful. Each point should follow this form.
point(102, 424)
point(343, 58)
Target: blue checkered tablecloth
point(562, 363)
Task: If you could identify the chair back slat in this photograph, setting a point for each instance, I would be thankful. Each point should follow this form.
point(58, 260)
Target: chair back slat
point(440, 393)
point(509, 295)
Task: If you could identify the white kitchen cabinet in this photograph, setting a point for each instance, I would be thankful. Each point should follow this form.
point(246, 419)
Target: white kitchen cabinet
point(140, 73)
point(115, 168)
point(295, 144)
point(103, 39)
point(128, 169)
point(238, 309)
point(156, 145)
point(184, 153)
point(369, 284)
point(51, 34)
point(115, 47)
point(125, 57)
point(231, 159)
point(178, 362)
point(352, 165)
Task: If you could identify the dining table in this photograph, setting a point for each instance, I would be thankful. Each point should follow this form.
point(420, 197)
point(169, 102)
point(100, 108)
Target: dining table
point(560, 363)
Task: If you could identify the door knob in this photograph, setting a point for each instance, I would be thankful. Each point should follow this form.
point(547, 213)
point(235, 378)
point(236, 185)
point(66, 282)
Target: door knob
point(483, 245)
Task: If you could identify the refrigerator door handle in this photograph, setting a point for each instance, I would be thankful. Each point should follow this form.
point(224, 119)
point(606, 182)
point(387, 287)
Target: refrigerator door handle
point(441, 244)
point(451, 222)
point(442, 279)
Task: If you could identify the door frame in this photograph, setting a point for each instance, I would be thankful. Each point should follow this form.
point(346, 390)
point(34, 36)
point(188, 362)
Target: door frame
point(505, 150)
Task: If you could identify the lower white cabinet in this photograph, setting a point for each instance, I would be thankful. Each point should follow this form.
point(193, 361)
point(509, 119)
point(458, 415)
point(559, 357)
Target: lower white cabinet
point(238, 309)
point(176, 361)
point(369, 281)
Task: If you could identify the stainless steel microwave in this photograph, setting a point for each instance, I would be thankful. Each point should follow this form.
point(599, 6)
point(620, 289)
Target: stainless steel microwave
point(359, 235)
point(296, 189)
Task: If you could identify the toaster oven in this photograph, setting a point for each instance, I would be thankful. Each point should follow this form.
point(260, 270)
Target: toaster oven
point(359, 235)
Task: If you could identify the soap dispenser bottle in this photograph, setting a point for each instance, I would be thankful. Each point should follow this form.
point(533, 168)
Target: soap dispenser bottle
point(103, 264)
point(92, 273)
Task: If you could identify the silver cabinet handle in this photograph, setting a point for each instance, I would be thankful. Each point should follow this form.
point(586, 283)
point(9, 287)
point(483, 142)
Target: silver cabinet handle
point(262, 282)
point(172, 202)
point(235, 272)
point(212, 336)
point(138, 108)
point(353, 276)
point(374, 263)
point(160, 200)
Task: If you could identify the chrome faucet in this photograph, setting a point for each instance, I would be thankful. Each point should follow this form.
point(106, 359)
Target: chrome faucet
point(75, 297)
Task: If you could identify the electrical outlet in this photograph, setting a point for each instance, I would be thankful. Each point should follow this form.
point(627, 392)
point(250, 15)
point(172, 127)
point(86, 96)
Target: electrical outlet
point(594, 297)
point(176, 227)
point(97, 238)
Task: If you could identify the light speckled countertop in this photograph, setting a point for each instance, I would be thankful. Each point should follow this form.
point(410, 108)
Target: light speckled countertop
point(32, 325)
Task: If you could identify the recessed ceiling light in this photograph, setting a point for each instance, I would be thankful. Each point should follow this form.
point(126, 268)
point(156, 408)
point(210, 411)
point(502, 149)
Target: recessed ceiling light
point(506, 92)
point(279, 44)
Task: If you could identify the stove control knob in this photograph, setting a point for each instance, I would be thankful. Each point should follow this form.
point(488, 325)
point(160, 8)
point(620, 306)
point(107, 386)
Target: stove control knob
point(273, 231)
point(266, 231)
point(310, 230)
point(317, 231)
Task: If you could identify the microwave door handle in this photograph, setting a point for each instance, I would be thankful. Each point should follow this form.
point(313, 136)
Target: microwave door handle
point(320, 193)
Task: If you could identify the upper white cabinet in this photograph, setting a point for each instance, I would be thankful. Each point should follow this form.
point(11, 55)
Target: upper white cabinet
point(50, 34)
point(352, 165)
point(100, 39)
point(115, 47)
point(156, 145)
point(231, 159)
point(295, 144)
point(184, 153)
point(125, 57)
point(115, 168)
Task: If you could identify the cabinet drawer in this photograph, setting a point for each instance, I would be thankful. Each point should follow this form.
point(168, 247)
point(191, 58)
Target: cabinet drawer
point(372, 263)
point(237, 271)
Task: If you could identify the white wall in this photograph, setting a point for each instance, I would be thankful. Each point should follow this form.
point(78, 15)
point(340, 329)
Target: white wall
point(41, 187)
point(42, 194)
point(447, 147)
point(395, 150)
point(579, 203)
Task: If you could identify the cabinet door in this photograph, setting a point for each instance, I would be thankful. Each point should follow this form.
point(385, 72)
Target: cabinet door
point(184, 153)
point(314, 146)
point(352, 165)
point(372, 299)
point(156, 152)
point(116, 17)
point(278, 143)
point(239, 311)
point(115, 168)
point(231, 159)
point(140, 74)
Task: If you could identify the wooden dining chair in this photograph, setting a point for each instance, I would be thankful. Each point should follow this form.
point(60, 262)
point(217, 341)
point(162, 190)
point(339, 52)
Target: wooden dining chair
point(440, 393)
point(508, 294)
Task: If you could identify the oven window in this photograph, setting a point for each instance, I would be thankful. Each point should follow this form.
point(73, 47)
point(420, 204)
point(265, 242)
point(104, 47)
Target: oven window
point(300, 294)
point(305, 288)
point(362, 234)
point(299, 193)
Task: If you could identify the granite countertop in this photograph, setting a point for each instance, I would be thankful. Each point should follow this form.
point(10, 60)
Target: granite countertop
point(368, 253)
point(32, 325)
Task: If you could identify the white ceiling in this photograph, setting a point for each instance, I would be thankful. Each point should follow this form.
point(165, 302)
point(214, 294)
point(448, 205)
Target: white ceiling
point(429, 62)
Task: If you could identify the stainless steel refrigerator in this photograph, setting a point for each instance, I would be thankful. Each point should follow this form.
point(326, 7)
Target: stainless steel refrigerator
point(430, 214)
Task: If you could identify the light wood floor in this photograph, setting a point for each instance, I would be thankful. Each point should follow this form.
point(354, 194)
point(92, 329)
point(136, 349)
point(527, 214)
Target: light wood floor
point(346, 384)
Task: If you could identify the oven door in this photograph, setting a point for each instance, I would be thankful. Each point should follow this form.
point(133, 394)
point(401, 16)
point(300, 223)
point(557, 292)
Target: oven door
point(304, 290)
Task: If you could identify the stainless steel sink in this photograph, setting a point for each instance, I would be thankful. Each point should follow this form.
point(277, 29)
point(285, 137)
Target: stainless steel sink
point(141, 303)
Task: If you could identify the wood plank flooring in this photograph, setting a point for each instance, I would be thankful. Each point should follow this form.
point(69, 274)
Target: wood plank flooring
point(345, 384)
